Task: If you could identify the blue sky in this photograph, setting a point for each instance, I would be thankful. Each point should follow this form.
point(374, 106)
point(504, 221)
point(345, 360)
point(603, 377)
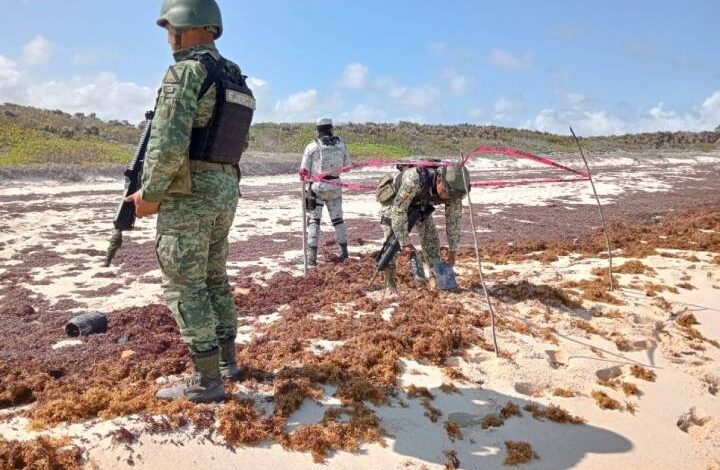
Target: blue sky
point(604, 67)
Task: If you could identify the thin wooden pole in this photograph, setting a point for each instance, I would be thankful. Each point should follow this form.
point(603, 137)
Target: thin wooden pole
point(303, 202)
point(479, 261)
point(600, 208)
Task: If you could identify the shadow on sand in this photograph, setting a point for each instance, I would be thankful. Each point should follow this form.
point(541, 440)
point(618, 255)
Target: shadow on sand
point(412, 434)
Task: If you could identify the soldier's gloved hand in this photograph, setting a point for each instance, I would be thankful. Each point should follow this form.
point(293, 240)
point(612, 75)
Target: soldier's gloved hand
point(143, 208)
point(304, 175)
point(409, 249)
point(451, 259)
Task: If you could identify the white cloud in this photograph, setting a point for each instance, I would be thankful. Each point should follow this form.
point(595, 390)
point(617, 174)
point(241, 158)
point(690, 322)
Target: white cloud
point(354, 76)
point(261, 90)
point(10, 74)
point(510, 60)
point(102, 94)
point(478, 116)
point(297, 107)
point(38, 51)
point(257, 85)
point(575, 100)
point(584, 122)
point(505, 105)
point(456, 83)
point(710, 110)
point(590, 122)
point(476, 112)
point(414, 97)
point(364, 113)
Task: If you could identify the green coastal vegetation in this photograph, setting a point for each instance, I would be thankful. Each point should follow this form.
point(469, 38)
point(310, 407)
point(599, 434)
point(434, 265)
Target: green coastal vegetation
point(31, 137)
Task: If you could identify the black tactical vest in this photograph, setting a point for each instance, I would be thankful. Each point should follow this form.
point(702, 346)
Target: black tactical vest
point(225, 137)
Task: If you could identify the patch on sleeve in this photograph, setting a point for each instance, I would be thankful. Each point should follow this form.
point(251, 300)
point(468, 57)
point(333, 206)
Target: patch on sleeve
point(169, 90)
point(174, 76)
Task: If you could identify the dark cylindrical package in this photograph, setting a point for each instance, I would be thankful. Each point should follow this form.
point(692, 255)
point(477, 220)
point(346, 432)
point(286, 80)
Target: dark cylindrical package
point(86, 325)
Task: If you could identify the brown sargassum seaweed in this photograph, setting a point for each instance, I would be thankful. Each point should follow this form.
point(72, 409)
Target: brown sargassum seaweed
point(76, 384)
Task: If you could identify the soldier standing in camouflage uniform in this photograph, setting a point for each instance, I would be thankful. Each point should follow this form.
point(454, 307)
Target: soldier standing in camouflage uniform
point(325, 155)
point(412, 191)
point(191, 179)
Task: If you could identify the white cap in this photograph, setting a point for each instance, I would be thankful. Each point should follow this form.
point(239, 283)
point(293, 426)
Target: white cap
point(326, 121)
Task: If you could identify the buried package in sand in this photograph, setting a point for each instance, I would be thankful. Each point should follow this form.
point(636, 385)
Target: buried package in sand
point(368, 236)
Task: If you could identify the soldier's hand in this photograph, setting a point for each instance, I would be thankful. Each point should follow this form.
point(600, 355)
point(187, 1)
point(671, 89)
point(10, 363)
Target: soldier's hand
point(143, 208)
point(451, 259)
point(304, 175)
point(409, 249)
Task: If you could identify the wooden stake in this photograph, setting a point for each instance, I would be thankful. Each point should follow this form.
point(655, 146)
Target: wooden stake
point(303, 202)
point(479, 261)
point(600, 208)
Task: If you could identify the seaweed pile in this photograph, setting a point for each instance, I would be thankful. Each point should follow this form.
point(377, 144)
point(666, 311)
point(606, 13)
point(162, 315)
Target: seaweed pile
point(41, 453)
point(688, 230)
point(115, 374)
point(98, 380)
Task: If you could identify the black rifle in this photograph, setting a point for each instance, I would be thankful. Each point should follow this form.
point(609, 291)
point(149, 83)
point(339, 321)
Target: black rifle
point(125, 215)
point(310, 199)
point(392, 245)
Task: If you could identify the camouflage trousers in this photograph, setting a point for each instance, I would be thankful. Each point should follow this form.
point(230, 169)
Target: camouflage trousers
point(334, 207)
point(192, 248)
point(429, 240)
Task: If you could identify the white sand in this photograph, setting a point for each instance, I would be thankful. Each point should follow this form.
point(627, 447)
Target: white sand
point(649, 439)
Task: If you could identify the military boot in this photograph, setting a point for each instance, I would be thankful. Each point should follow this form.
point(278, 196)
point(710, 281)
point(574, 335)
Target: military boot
point(312, 256)
point(204, 386)
point(344, 252)
point(228, 364)
point(417, 268)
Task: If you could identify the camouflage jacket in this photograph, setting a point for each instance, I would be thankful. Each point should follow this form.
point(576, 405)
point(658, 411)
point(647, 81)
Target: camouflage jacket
point(397, 212)
point(177, 112)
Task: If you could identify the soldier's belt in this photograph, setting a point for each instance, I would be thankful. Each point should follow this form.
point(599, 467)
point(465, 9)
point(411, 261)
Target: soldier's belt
point(197, 166)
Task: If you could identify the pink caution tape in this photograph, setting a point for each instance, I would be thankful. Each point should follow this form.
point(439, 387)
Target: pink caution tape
point(515, 153)
point(483, 150)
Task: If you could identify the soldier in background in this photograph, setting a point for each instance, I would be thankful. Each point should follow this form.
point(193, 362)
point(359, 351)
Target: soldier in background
point(202, 118)
point(325, 155)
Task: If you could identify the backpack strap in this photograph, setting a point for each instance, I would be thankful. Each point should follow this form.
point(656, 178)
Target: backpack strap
point(213, 68)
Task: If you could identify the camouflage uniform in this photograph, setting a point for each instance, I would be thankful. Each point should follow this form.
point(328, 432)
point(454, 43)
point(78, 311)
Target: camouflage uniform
point(198, 203)
point(327, 159)
point(395, 218)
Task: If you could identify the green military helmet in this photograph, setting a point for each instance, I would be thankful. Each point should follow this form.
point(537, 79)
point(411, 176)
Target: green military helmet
point(183, 14)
